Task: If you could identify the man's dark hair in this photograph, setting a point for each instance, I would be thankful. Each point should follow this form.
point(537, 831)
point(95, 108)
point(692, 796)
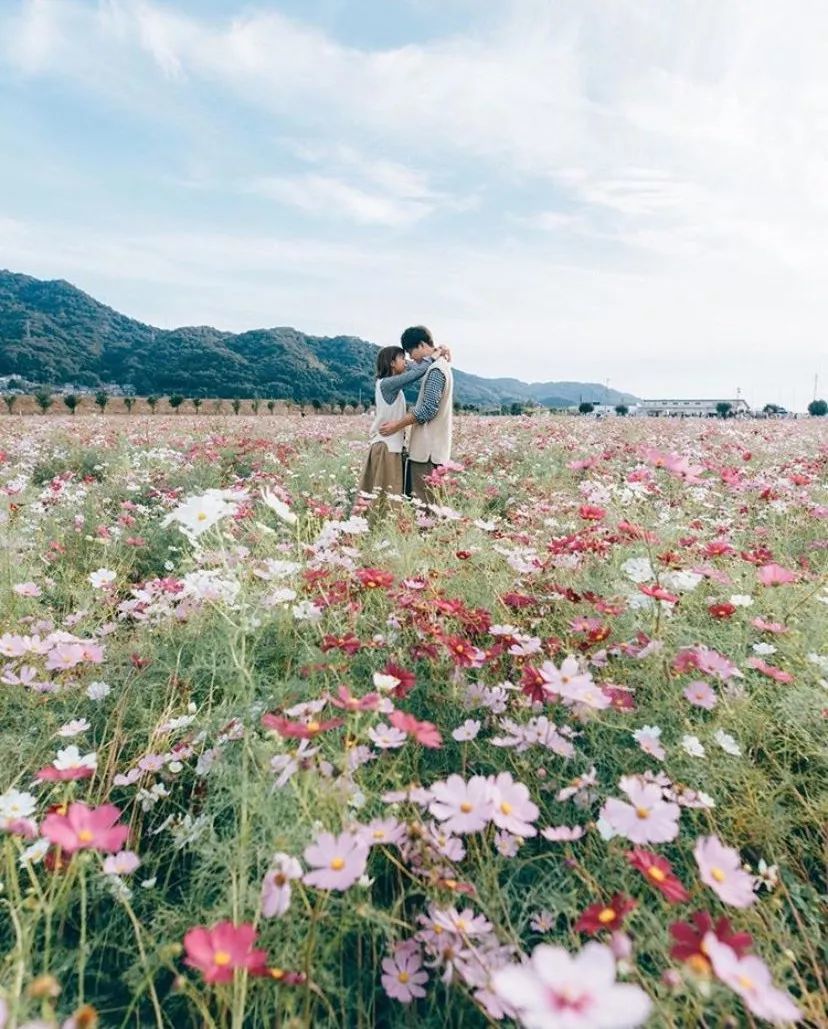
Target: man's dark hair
point(414, 336)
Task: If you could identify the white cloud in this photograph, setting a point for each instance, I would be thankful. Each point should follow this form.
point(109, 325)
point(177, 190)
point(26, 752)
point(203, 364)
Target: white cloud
point(674, 156)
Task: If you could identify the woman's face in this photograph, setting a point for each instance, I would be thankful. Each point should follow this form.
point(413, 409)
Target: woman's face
point(398, 367)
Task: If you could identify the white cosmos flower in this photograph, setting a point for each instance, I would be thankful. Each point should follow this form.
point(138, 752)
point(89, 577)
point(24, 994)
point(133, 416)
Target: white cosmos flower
point(692, 746)
point(198, 514)
point(639, 569)
point(73, 728)
point(278, 507)
point(727, 743)
point(741, 600)
point(15, 805)
point(102, 578)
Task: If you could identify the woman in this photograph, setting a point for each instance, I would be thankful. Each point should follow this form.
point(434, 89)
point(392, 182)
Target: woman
point(383, 471)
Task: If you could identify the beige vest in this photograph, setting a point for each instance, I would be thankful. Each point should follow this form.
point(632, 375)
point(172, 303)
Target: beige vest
point(432, 440)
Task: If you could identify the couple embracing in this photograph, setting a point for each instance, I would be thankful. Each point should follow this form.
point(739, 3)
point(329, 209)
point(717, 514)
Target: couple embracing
point(405, 447)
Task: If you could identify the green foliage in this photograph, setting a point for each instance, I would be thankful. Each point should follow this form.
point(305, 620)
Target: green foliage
point(175, 401)
point(102, 399)
point(44, 400)
point(585, 407)
point(53, 333)
point(818, 408)
point(10, 399)
point(724, 408)
point(72, 401)
point(129, 403)
point(622, 410)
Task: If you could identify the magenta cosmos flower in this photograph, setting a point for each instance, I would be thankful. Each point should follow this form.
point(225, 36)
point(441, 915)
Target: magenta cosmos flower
point(775, 575)
point(648, 818)
point(402, 973)
point(219, 951)
point(462, 806)
point(338, 861)
point(721, 869)
point(86, 828)
point(557, 990)
point(512, 808)
point(750, 977)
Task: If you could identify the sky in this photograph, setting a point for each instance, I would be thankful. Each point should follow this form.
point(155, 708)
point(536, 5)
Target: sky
point(632, 192)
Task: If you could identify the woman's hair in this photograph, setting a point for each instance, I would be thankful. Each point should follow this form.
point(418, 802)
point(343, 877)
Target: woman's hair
point(385, 361)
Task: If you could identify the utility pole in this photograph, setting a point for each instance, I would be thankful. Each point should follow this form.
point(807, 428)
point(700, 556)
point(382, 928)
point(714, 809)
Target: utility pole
point(816, 383)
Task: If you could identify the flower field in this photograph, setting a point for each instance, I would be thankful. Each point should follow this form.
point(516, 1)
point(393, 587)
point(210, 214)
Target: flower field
point(551, 754)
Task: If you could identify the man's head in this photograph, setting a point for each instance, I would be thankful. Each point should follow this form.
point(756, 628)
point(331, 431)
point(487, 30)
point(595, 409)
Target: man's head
point(417, 342)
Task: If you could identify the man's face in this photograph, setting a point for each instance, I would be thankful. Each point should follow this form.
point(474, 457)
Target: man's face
point(421, 351)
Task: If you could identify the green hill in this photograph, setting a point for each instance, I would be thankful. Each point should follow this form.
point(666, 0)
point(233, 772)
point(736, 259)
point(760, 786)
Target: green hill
point(55, 334)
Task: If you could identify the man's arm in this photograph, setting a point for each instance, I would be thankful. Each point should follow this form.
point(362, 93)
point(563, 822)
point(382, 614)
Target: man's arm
point(425, 410)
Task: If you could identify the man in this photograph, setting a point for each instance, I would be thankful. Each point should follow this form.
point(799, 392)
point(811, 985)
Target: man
point(431, 417)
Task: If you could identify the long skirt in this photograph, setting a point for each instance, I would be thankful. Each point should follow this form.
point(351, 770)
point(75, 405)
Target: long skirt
point(416, 472)
point(383, 472)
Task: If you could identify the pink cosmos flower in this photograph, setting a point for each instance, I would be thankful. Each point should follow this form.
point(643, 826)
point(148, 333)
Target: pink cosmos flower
point(383, 832)
point(720, 867)
point(649, 739)
point(750, 977)
point(346, 700)
point(338, 861)
point(86, 828)
point(775, 575)
point(123, 863)
point(512, 808)
point(648, 818)
point(763, 625)
point(403, 977)
point(558, 990)
point(219, 951)
point(462, 806)
point(771, 671)
point(276, 885)
point(69, 764)
point(425, 733)
point(563, 833)
point(700, 694)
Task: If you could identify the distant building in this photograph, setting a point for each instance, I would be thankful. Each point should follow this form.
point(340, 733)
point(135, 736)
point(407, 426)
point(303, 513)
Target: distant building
point(689, 408)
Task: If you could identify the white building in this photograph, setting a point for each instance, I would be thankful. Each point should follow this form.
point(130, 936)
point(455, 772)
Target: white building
point(690, 408)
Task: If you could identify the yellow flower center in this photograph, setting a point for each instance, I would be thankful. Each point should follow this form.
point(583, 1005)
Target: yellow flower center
point(718, 875)
point(745, 982)
point(403, 977)
point(221, 958)
point(607, 915)
point(642, 812)
point(313, 726)
point(699, 964)
point(465, 807)
point(379, 834)
point(85, 836)
point(201, 516)
point(338, 864)
point(657, 874)
point(276, 973)
point(506, 807)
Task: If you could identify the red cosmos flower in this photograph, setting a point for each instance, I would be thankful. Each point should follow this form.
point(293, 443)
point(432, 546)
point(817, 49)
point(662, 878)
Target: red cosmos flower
point(86, 828)
point(591, 512)
point(517, 600)
point(299, 730)
point(374, 578)
point(217, 952)
point(425, 733)
point(658, 593)
point(405, 679)
point(346, 700)
point(605, 916)
point(347, 643)
point(463, 653)
point(140, 662)
point(721, 611)
point(689, 937)
point(658, 872)
point(771, 671)
point(534, 685)
point(718, 548)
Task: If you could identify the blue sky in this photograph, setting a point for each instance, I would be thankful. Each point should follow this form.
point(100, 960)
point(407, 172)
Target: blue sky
point(563, 189)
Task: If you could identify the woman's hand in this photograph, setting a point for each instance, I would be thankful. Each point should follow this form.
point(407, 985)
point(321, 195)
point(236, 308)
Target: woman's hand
point(444, 351)
point(389, 428)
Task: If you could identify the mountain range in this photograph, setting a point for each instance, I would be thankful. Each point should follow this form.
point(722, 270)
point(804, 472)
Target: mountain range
point(54, 334)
